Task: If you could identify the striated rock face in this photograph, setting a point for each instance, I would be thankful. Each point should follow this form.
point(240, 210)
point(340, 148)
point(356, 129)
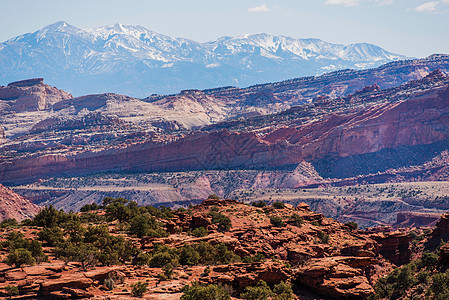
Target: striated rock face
point(388, 122)
point(15, 206)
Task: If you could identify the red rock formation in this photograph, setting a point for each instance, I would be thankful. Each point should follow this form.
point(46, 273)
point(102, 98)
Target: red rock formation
point(442, 226)
point(395, 246)
point(15, 206)
point(31, 95)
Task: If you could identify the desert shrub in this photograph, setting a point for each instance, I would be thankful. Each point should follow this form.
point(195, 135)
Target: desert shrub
point(15, 240)
point(9, 223)
point(259, 257)
point(168, 271)
point(19, 257)
point(199, 232)
point(141, 259)
point(352, 225)
point(93, 245)
point(259, 204)
point(283, 291)
point(278, 205)
point(222, 221)
point(259, 292)
point(11, 290)
point(189, 256)
point(324, 237)
point(51, 217)
point(224, 255)
point(296, 220)
point(277, 221)
point(423, 276)
point(213, 197)
point(206, 254)
point(142, 225)
point(163, 257)
point(199, 291)
point(139, 288)
point(116, 209)
point(429, 260)
point(440, 283)
point(90, 217)
point(89, 207)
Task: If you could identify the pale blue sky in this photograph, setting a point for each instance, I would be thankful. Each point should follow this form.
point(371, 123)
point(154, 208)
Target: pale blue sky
point(412, 27)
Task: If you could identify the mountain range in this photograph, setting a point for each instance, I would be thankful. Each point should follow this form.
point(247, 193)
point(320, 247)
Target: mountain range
point(135, 61)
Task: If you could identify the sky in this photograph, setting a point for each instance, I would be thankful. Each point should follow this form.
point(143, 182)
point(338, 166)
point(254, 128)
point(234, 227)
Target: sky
point(416, 28)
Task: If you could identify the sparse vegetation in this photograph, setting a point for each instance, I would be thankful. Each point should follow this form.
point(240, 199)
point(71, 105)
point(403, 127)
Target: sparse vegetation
point(197, 291)
point(277, 221)
point(139, 289)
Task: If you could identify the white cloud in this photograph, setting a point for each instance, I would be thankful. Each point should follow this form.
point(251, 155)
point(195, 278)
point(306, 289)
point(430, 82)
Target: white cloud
point(343, 2)
point(260, 8)
point(428, 7)
point(445, 1)
point(384, 2)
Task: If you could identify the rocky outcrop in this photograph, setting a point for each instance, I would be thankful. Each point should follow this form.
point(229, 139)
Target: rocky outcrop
point(394, 245)
point(31, 95)
point(342, 277)
point(27, 82)
point(15, 206)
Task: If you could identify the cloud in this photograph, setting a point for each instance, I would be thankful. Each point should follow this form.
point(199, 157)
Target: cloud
point(428, 7)
point(260, 8)
point(343, 2)
point(445, 1)
point(385, 2)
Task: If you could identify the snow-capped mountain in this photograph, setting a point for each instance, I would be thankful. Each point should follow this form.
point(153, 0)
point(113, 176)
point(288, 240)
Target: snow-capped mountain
point(135, 61)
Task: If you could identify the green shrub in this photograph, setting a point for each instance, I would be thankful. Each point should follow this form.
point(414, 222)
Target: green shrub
point(283, 291)
point(139, 289)
point(198, 291)
point(189, 256)
point(222, 221)
point(296, 220)
point(89, 207)
point(259, 204)
point(277, 221)
point(213, 197)
point(19, 257)
point(440, 283)
point(141, 225)
point(200, 232)
point(259, 257)
point(16, 240)
point(324, 237)
point(353, 225)
point(160, 259)
point(51, 217)
point(9, 223)
point(117, 210)
point(168, 271)
point(11, 290)
point(429, 260)
point(259, 292)
point(278, 205)
point(141, 259)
